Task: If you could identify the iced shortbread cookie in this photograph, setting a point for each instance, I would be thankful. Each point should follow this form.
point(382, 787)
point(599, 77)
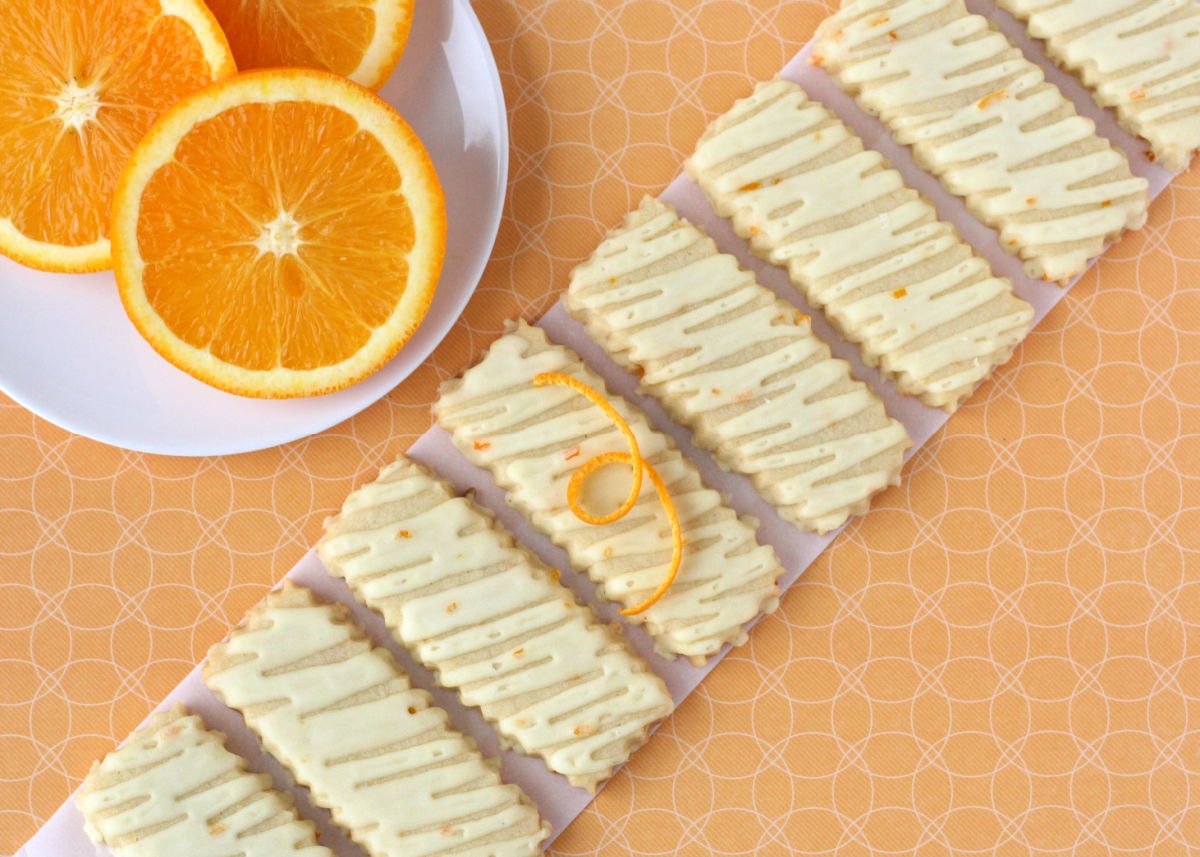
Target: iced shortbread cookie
point(857, 241)
point(1140, 57)
point(342, 717)
point(738, 366)
point(533, 438)
point(494, 623)
point(172, 789)
point(984, 120)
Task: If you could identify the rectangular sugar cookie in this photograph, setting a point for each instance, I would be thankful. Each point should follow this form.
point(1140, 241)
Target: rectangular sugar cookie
point(342, 717)
point(172, 789)
point(985, 121)
point(1139, 57)
point(859, 243)
point(494, 623)
point(533, 438)
point(731, 361)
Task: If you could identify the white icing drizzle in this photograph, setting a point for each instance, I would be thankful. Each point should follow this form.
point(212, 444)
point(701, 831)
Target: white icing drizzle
point(859, 243)
point(494, 624)
point(533, 438)
point(173, 789)
point(984, 120)
point(1141, 57)
point(729, 360)
point(343, 718)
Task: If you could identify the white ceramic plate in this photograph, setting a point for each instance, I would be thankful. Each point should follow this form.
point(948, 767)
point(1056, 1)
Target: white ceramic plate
point(69, 354)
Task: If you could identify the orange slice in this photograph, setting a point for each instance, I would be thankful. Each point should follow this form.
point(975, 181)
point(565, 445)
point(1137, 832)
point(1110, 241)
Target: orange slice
point(359, 39)
point(80, 82)
point(279, 234)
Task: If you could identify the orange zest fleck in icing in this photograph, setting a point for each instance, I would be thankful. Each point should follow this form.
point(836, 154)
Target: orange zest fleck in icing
point(991, 98)
point(640, 467)
point(900, 293)
point(481, 445)
point(750, 186)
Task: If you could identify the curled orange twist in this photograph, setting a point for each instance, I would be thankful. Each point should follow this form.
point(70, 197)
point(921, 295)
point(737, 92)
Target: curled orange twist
point(639, 467)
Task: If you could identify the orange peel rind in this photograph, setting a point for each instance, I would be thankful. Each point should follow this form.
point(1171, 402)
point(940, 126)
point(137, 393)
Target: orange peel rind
point(640, 467)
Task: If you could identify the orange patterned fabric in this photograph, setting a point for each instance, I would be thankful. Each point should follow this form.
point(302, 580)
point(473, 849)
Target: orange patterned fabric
point(1004, 655)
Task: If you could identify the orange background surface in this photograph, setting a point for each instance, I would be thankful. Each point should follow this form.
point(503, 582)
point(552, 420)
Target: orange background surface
point(1003, 657)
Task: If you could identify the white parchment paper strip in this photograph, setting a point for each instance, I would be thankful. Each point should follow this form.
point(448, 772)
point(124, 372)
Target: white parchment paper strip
point(63, 836)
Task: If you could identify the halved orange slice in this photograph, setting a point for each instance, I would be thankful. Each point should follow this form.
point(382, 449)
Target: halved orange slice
point(359, 39)
point(80, 82)
point(279, 234)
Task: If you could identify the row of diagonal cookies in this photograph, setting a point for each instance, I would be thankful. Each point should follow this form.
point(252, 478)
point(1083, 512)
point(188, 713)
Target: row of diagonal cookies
point(739, 367)
point(985, 121)
point(341, 716)
point(859, 243)
point(490, 620)
point(728, 360)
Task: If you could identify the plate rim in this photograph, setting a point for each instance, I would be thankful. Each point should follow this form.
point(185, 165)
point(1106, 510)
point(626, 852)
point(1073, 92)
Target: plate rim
point(453, 314)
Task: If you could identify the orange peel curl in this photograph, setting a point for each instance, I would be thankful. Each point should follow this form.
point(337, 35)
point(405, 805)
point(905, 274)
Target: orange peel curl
point(641, 469)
